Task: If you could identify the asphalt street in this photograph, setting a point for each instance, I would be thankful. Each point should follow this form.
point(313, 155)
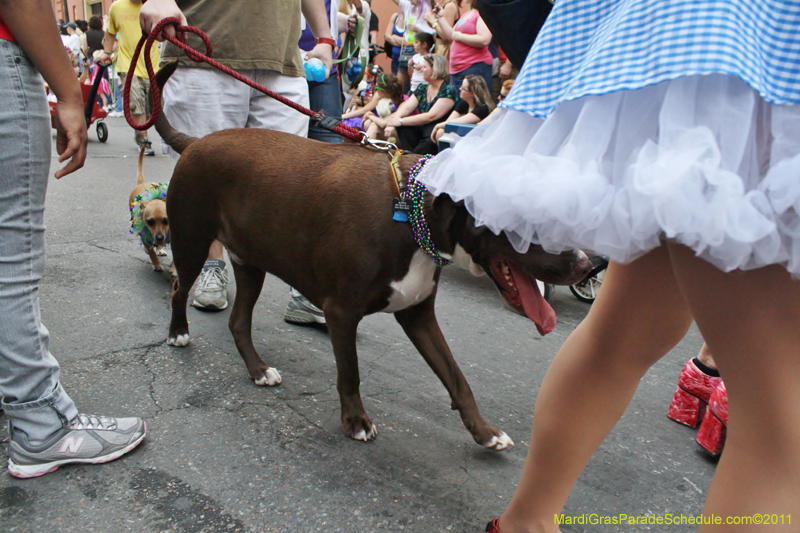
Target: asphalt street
point(223, 455)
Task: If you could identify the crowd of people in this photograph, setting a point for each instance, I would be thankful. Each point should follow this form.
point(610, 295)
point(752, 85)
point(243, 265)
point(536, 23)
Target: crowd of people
point(452, 30)
point(682, 169)
point(433, 49)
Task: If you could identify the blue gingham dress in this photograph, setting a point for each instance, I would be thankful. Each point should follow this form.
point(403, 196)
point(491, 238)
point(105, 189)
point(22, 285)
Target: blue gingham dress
point(599, 46)
point(638, 120)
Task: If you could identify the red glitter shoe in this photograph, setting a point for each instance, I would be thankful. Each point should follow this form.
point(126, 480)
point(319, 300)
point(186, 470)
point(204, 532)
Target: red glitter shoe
point(712, 432)
point(493, 526)
point(691, 398)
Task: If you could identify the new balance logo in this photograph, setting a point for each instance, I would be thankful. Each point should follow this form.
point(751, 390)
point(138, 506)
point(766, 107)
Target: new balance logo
point(71, 445)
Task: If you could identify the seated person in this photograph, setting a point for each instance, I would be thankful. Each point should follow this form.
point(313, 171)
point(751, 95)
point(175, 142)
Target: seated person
point(387, 87)
point(363, 93)
point(388, 97)
point(433, 100)
point(505, 89)
point(474, 105)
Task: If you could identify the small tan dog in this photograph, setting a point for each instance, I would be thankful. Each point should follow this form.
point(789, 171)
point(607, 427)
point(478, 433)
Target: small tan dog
point(149, 215)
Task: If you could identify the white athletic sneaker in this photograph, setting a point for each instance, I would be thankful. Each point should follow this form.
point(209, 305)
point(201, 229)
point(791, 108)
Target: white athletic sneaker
point(211, 293)
point(87, 439)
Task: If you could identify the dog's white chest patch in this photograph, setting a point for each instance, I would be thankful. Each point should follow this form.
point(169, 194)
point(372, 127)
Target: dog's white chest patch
point(417, 285)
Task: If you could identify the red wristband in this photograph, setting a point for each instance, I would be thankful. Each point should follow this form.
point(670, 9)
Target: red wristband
point(326, 40)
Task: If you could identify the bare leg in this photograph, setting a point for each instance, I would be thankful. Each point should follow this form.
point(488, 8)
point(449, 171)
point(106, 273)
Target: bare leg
point(216, 250)
point(706, 357)
point(373, 131)
point(750, 321)
point(632, 324)
point(140, 119)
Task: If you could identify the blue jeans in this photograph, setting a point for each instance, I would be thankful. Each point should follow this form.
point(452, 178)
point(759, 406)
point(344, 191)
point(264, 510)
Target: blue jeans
point(481, 69)
point(325, 96)
point(32, 397)
point(117, 91)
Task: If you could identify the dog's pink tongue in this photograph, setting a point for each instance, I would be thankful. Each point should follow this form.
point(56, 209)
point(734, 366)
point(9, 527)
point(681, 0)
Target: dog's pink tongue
point(536, 307)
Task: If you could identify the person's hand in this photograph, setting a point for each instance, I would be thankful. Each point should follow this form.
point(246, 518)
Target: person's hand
point(455, 36)
point(104, 58)
point(155, 11)
point(439, 126)
point(429, 17)
point(505, 70)
point(323, 52)
point(378, 121)
point(71, 136)
point(389, 132)
point(352, 25)
point(392, 121)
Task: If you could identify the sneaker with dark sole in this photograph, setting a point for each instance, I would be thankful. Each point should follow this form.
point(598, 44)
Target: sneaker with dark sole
point(148, 148)
point(300, 311)
point(211, 293)
point(87, 439)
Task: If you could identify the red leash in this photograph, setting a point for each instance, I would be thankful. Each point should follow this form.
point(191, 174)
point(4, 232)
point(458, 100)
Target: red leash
point(147, 40)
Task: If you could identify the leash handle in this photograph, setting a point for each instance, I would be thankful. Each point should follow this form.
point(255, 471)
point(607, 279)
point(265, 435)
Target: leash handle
point(180, 41)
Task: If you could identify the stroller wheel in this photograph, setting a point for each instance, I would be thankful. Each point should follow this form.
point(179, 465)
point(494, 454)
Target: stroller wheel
point(102, 132)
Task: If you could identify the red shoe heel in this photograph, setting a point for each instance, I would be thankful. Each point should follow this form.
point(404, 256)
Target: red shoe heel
point(493, 526)
point(692, 395)
point(686, 408)
point(713, 430)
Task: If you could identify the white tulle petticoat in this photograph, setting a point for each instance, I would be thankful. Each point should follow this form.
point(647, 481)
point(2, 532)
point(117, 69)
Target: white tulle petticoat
point(701, 160)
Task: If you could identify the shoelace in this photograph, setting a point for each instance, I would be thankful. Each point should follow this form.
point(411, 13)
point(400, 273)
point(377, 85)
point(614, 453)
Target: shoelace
point(83, 421)
point(210, 279)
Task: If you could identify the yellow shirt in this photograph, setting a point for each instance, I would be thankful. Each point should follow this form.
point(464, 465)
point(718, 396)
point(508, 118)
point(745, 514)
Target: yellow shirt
point(123, 17)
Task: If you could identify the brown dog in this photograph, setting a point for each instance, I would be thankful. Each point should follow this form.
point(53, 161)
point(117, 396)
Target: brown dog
point(149, 217)
point(319, 216)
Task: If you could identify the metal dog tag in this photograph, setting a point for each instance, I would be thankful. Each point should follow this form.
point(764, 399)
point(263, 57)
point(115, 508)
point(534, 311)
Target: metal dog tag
point(401, 208)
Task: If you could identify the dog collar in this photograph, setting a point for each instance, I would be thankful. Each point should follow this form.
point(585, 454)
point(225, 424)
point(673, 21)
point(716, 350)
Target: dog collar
point(415, 193)
point(157, 191)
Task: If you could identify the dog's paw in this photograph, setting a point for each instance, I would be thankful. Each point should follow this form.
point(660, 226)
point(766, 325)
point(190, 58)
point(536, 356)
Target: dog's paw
point(158, 268)
point(161, 251)
point(366, 436)
point(363, 430)
point(179, 340)
point(270, 378)
point(499, 442)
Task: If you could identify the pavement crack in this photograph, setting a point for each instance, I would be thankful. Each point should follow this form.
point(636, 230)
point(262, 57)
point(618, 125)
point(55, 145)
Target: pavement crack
point(151, 385)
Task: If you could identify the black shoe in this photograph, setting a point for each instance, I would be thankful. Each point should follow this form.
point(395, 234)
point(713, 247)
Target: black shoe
point(148, 147)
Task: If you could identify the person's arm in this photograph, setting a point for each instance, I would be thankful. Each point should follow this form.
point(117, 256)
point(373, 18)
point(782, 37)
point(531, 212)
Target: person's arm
point(317, 19)
point(389, 36)
point(454, 116)
point(361, 111)
point(403, 110)
point(469, 118)
point(505, 65)
point(85, 73)
point(154, 11)
point(42, 44)
point(481, 38)
point(445, 21)
point(109, 40)
point(437, 111)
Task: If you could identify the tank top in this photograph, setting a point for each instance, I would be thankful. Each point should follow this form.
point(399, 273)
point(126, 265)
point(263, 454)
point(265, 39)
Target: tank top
point(462, 56)
point(399, 33)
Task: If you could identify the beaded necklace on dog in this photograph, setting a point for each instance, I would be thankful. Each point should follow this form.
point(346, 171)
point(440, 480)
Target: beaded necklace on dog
point(415, 213)
point(157, 191)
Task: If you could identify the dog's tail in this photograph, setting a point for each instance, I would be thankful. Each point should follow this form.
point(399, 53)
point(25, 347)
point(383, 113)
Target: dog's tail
point(140, 175)
point(176, 140)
